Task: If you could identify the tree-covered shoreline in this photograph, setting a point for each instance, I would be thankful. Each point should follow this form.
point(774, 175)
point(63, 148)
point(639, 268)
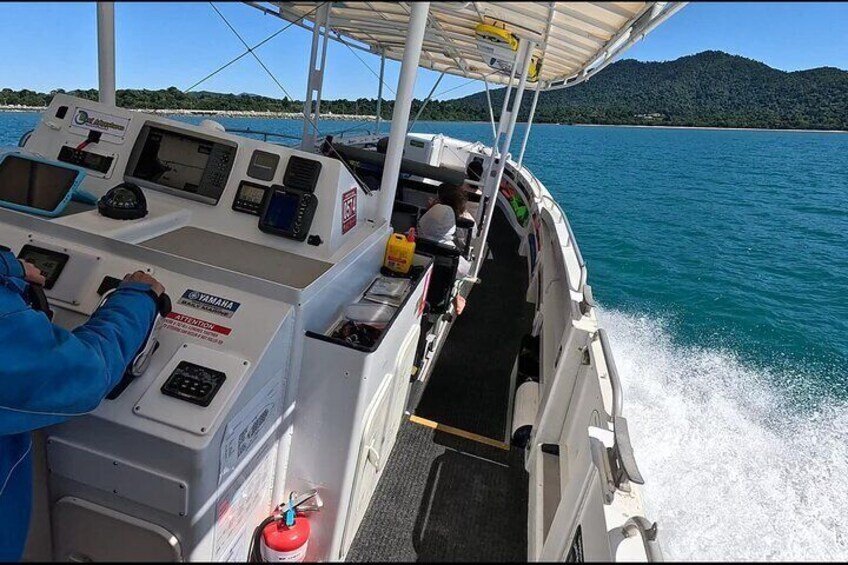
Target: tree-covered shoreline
point(710, 89)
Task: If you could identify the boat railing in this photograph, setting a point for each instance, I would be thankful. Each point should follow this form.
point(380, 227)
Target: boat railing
point(622, 460)
point(572, 241)
point(364, 130)
point(648, 531)
point(265, 134)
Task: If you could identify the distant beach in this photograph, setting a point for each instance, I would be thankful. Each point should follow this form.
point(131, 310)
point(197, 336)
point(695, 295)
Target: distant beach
point(219, 113)
point(364, 118)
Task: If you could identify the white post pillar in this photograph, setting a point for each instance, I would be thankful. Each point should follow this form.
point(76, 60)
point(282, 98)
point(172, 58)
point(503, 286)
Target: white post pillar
point(529, 124)
point(493, 180)
point(315, 82)
point(403, 104)
point(106, 52)
point(380, 92)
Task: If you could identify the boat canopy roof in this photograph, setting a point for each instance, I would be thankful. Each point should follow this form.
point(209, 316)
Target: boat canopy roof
point(574, 40)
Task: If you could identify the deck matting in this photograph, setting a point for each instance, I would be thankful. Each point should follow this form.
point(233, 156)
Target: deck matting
point(470, 386)
point(445, 498)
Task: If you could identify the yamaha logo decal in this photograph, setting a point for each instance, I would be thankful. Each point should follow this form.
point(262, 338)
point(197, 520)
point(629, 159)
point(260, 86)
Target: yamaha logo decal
point(209, 302)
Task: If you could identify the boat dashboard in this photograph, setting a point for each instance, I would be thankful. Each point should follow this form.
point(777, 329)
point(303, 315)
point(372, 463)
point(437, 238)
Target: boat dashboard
point(223, 190)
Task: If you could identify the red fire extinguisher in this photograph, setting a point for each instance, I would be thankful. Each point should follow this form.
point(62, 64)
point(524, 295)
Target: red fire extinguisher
point(283, 537)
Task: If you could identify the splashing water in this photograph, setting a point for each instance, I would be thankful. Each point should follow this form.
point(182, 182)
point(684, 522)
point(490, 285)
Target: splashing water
point(736, 469)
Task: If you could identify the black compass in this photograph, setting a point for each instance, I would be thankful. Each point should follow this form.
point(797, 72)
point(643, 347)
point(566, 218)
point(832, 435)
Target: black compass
point(123, 202)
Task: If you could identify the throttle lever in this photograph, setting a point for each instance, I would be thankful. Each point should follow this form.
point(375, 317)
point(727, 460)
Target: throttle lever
point(38, 300)
point(142, 358)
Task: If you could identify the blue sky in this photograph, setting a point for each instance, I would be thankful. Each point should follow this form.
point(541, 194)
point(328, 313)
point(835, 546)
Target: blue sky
point(53, 45)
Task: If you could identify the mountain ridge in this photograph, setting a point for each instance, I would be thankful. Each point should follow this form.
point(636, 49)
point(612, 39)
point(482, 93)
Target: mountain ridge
point(706, 89)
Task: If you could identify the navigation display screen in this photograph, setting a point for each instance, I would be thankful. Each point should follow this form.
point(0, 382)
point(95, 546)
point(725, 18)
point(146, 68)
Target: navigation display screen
point(49, 262)
point(251, 193)
point(182, 162)
point(25, 182)
point(249, 198)
point(281, 211)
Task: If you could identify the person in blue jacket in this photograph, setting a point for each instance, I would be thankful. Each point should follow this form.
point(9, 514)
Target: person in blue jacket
point(49, 374)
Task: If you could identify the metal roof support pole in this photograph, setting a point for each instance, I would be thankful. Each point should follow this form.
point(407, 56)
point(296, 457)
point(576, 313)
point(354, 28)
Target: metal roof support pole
point(315, 81)
point(510, 114)
point(529, 124)
point(491, 115)
point(493, 160)
point(426, 100)
point(380, 92)
point(503, 121)
point(106, 52)
point(403, 104)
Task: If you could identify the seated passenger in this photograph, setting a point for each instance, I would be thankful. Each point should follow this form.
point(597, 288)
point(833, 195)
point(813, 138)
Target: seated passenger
point(438, 224)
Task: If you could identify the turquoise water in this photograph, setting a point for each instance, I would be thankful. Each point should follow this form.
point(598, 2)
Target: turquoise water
point(720, 260)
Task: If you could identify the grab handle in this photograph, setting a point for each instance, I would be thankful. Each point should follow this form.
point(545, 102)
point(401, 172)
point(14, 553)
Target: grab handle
point(622, 460)
point(641, 526)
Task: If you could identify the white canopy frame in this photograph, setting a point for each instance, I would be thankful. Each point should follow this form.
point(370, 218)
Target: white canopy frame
point(575, 40)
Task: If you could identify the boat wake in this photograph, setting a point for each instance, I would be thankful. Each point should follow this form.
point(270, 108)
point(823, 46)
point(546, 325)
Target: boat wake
point(736, 468)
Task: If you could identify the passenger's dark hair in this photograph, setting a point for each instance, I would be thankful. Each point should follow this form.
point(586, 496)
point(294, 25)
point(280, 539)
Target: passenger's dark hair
point(453, 196)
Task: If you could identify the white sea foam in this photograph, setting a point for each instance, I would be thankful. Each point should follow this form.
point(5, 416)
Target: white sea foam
point(735, 468)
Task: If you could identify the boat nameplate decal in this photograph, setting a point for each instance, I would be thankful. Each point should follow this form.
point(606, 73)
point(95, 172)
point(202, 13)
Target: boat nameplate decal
point(107, 124)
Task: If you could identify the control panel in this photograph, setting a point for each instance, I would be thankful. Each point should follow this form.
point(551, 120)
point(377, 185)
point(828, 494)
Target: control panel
point(194, 383)
point(185, 172)
point(85, 159)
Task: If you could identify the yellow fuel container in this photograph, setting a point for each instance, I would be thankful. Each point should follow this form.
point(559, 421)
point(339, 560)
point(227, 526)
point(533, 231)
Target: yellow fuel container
point(399, 251)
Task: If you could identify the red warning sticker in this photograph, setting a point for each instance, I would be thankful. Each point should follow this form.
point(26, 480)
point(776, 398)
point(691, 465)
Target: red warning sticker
point(195, 327)
point(348, 210)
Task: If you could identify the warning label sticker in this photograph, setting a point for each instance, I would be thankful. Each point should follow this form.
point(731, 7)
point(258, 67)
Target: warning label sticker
point(348, 210)
point(251, 423)
point(195, 327)
point(242, 505)
point(209, 302)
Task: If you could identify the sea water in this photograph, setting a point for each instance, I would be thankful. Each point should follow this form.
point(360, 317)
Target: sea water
point(720, 261)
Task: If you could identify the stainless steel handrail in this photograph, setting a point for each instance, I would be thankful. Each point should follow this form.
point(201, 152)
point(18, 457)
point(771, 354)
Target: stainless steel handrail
point(622, 460)
point(612, 371)
point(342, 133)
point(641, 525)
point(580, 260)
point(265, 134)
point(573, 241)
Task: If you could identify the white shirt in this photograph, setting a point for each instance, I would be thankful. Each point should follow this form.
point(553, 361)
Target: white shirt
point(438, 224)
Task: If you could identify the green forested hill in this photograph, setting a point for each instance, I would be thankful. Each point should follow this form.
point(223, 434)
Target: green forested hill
point(708, 89)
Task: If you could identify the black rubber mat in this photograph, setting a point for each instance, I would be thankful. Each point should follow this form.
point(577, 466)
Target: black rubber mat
point(470, 385)
point(444, 498)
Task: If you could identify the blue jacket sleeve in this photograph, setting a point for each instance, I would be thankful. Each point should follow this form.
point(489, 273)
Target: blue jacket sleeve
point(47, 373)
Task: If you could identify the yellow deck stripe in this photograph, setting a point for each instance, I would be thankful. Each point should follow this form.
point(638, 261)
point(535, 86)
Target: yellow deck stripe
point(460, 433)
